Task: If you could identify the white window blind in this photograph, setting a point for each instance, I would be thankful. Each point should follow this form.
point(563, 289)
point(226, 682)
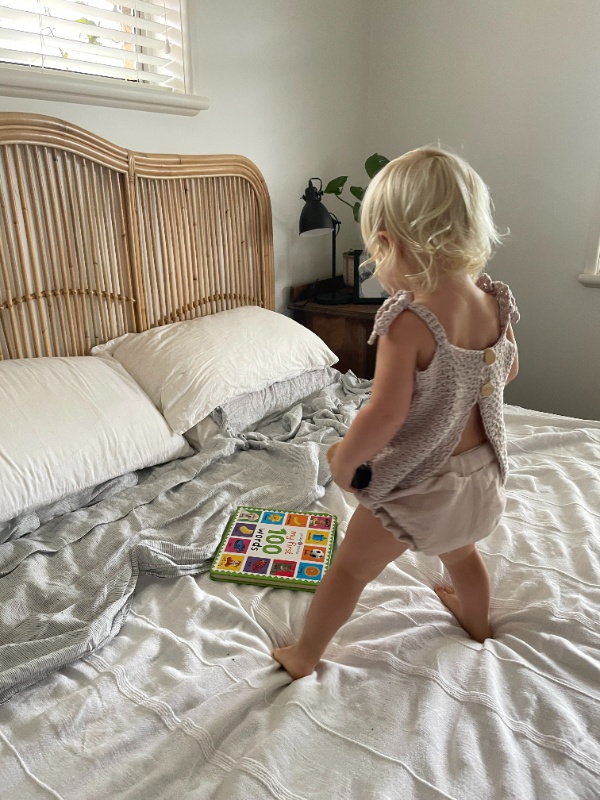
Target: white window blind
point(138, 42)
point(96, 52)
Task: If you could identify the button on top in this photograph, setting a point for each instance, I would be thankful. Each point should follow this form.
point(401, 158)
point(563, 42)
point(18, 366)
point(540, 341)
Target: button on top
point(488, 389)
point(489, 356)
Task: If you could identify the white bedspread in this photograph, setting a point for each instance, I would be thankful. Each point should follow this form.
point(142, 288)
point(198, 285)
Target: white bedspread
point(186, 701)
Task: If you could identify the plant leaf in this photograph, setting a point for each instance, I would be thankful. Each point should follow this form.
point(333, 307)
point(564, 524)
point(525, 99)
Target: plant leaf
point(358, 192)
point(356, 211)
point(374, 163)
point(336, 185)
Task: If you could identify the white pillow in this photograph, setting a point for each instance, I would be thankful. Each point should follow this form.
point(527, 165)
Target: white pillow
point(70, 423)
point(189, 368)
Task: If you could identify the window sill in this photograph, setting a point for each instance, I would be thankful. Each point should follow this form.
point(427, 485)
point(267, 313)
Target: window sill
point(83, 89)
point(588, 279)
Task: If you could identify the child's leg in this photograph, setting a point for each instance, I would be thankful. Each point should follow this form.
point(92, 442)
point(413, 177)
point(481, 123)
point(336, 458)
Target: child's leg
point(469, 600)
point(367, 548)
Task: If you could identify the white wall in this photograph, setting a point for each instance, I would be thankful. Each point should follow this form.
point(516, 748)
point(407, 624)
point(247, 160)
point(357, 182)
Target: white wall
point(312, 88)
point(515, 87)
point(284, 85)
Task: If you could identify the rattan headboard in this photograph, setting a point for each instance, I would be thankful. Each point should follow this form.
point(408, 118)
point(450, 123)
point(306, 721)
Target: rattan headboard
point(96, 240)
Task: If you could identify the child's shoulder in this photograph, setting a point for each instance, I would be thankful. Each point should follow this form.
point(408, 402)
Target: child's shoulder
point(390, 310)
point(408, 324)
point(404, 327)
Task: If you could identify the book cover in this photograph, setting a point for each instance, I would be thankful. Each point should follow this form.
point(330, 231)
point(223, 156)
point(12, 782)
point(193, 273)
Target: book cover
point(271, 547)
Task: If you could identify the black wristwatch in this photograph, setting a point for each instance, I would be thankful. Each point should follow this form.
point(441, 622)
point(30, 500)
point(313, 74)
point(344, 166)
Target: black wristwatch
point(362, 477)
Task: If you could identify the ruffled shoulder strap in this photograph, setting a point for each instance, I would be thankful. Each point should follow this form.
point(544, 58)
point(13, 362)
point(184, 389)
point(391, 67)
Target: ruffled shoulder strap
point(501, 291)
point(398, 303)
point(387, 313)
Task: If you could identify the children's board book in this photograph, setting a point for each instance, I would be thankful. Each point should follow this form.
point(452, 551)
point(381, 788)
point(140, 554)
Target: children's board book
point(290, 549)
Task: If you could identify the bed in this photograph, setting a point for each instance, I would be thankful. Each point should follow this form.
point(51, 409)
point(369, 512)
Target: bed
point(147, 388)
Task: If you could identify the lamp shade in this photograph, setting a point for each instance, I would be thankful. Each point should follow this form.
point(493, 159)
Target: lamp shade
point(315, 219)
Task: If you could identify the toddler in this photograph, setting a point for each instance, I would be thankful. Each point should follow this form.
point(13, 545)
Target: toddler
point(432, 433)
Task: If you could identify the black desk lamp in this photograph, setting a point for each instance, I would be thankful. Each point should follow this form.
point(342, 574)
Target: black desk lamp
point(316, 220)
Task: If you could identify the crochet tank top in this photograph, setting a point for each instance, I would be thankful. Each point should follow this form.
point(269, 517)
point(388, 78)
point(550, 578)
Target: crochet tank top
point(443, 397)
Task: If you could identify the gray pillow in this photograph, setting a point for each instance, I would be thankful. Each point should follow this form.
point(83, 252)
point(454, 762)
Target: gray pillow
point(245, 410)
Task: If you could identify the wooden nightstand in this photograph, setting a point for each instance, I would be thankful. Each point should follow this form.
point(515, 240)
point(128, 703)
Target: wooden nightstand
point(344, 328)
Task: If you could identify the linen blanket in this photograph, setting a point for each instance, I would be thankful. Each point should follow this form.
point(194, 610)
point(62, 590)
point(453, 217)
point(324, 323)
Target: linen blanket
point(67, 573)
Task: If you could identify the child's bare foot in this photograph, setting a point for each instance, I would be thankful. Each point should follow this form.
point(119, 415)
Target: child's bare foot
point(293, 661)
point(478, 630)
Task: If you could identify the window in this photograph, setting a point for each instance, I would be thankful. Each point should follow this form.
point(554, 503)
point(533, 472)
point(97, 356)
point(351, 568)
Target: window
point(591, 274)
point(128, 54)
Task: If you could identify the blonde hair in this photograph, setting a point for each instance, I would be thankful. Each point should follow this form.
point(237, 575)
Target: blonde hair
point(434, 206)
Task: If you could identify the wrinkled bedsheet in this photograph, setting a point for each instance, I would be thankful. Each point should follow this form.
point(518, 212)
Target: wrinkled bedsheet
point(66, 579)
point(186, 702)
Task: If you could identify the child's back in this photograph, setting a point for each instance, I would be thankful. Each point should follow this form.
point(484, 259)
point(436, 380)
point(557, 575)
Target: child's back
point(471, 320)
point(470, 316)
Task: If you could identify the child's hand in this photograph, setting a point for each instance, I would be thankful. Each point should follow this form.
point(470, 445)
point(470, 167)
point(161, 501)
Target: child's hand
point(341, 473)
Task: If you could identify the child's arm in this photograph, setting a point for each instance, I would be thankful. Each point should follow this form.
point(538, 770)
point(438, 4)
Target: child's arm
point(514, 370)
point(381, 418)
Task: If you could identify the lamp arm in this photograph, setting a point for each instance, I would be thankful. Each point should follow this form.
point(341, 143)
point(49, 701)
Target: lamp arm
point(336, 224)
point(336, 228)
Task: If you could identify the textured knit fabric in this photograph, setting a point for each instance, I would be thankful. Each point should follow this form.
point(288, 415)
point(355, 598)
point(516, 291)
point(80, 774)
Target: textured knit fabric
point(443, 397)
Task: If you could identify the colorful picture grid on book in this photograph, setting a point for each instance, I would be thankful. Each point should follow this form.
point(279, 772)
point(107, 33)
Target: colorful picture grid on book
point(277, 545)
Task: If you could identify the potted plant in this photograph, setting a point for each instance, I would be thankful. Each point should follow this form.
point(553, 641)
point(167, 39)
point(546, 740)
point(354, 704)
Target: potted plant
point(373, 164)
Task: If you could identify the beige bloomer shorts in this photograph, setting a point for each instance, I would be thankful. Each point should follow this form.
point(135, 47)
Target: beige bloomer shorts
point(460, 505)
